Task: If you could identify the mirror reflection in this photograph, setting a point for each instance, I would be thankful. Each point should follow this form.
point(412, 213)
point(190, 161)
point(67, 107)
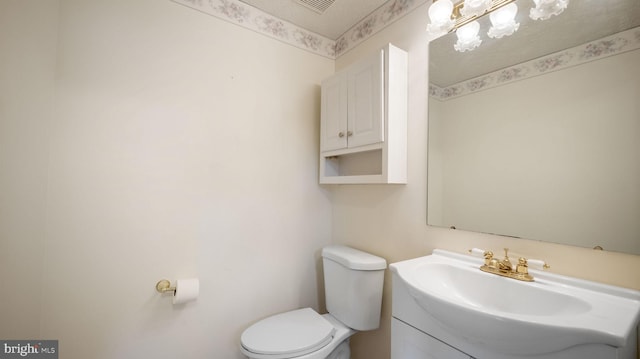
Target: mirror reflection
point(537, 135)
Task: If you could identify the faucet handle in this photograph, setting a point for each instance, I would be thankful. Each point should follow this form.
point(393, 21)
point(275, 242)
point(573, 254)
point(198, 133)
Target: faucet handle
point(477, 252)
point(523, 266)
point(538, 264)
point(488, 257)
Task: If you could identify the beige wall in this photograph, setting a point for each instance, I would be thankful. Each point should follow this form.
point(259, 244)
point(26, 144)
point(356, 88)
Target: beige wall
point(27, 72)
point(181, 146)
point(390, 221)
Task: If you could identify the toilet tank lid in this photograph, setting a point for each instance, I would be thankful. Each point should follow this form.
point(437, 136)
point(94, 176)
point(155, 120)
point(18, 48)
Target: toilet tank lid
point(353, 258)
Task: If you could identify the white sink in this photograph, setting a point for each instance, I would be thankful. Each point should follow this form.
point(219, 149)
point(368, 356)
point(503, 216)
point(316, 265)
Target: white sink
point(509, 316)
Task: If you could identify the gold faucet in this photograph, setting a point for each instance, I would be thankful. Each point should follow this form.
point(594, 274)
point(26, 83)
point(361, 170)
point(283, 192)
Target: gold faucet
point(505, 268)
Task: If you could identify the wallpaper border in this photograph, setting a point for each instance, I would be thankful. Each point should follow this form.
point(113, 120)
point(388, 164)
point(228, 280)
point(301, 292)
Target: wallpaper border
point(247, 16)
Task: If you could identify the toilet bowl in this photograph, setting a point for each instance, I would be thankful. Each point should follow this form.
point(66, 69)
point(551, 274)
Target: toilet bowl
point(353, 292)
point(300, 334)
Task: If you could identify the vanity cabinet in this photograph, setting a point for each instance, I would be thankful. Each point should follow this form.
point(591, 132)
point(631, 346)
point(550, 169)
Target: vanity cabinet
point(408, 342)
point(364, 121)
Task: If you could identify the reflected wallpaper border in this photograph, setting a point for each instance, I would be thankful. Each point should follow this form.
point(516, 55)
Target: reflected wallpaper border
point(616, 44)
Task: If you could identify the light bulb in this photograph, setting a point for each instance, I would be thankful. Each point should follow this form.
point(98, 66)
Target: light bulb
point(503, 21)
point(468, 31)
point(475, 7)
point(468, 38)
point(440, 16)
point(440, 11)
point(504, 15)
point(544, 9)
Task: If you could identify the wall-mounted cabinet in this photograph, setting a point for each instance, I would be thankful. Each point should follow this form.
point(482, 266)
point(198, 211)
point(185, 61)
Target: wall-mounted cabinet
point(364, 121)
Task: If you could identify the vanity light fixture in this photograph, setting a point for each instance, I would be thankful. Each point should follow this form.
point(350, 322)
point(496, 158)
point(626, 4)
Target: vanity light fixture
point(544, 9)
point(440, 16)
point(446, 16)
point(468, 38)
point(503, 21)
point(475, 7)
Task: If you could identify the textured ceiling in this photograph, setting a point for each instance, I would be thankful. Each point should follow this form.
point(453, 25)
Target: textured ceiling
point(333, 22)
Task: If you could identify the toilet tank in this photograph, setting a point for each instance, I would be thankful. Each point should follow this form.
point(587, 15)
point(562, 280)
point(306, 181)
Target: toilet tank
point(353, 286)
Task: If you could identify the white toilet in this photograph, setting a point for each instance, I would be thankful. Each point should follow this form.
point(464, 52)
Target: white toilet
point(353, 291)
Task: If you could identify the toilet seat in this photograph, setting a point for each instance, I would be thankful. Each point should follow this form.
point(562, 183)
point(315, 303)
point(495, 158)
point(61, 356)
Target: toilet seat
point(288, 335)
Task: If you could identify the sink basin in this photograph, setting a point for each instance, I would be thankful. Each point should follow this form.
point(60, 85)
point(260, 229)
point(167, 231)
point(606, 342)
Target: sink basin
point(471, 287)
point(512, 317)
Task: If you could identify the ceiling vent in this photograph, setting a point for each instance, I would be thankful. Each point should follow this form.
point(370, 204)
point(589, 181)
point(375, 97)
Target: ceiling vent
point(319, 6)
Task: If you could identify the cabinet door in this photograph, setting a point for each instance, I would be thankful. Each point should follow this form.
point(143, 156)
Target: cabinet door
point(366, 101)
point(333, 113)
point(409, 343)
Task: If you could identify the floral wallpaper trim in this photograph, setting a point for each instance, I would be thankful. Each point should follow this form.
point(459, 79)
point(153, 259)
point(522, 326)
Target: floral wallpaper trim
point(384, 16)
point(252, 18)
point(612, 45)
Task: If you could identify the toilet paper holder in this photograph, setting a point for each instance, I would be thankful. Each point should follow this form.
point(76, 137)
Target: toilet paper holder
point(164, 286)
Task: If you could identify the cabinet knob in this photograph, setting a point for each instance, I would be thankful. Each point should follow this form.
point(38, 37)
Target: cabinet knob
point(340, 134)
point(349, 133)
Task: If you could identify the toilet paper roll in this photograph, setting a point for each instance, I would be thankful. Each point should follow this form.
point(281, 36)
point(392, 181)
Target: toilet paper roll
point(186, 290)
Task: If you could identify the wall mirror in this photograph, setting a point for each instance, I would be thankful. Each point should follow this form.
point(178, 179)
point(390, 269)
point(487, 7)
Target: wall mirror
point(537, 135)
